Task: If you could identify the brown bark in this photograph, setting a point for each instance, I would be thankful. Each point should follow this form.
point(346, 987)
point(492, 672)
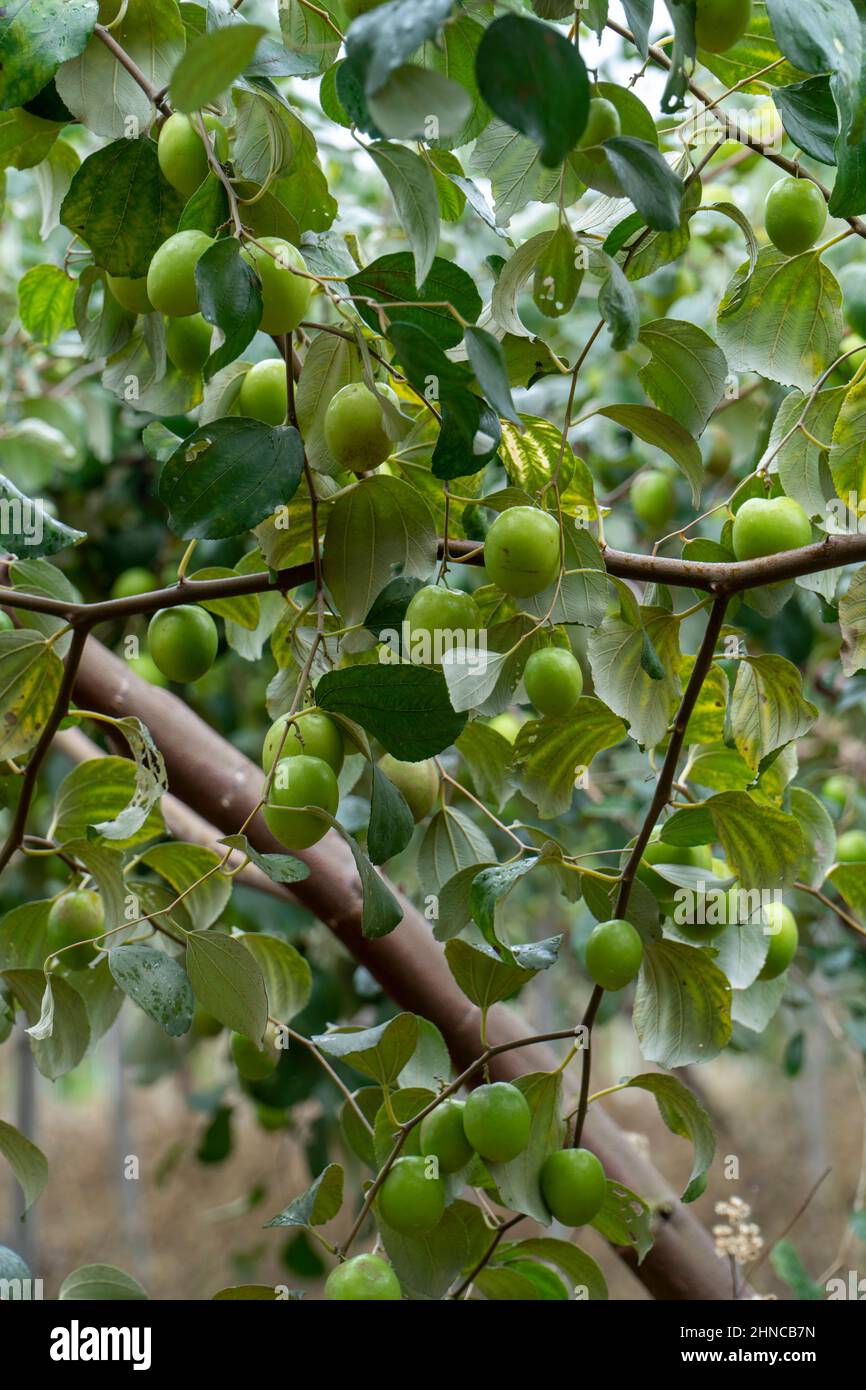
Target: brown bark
point(222, 786)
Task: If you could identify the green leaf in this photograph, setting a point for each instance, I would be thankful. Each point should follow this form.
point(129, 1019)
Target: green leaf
point(684, 1115)
point(379, 42)
point(280, 868)
point(810, 118)
point(618, 653)
point(26, 527)
point(517, 1181)
point(801, 463)
point(405, 707)
point(487, 360)
point(579, 1268)
point(245, 609)
point(819, 835)
point(788, 1265)
point(228, 476)
point(413, 189)
point(380, 1053)
point(24, 935)
point(488, 756)
point(182, 866)
point(211, 63)
point(286, 973)
point(617, 304)
point(157, 983)
point(482, 975)
point(379, 528)
point(392, 278)
point(489, 888)
point(25, 140)
point(767, 707)
point(230, 297)
point(92, 1283)
point(101, 93)
point(35, 38)
point(265, 134)
point(682, 1007)
point(451, 842)
point(330, 364)
point(150, 783)
point(550, 754)
point(848, 449)
point(453, 54)
point(648, 180)
point(28, 1163)
point(30, 675)
point(686, 373)
point(57, 1020)
point(427, 1265)
point(753, 1007)
point(782, 321)
point(418, 104)
point(310, 35)
point(763, 846)
point(626, 1219)
point(318, 1205)
point(121, 204)
point(207, 209)
point(98, 792)
point(227, 981)
point(535, 80)
point(45, 298)
point(663, 432)
point(391, 823)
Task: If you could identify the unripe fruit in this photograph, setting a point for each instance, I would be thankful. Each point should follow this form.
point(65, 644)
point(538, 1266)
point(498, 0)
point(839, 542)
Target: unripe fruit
point(497, 1121)
point(851, 847)
point(553, 680)
point(838, 789)
point(726, 910)
point(285, 295)
point(783, 943)
point(444, 1137)
point(311, 732)
point(440, 619)
point(130, 293)
point(264, 393)
point(253, 1062)
point(187, 342)
point(854, 344)
point(146, 669)
point(720, 454)
point(614, 953)
point(410, 1201)
point(132, 582)
point(658, 852)
point(522, 551)
point(365, 1278)
point(418, 783)
point(300, 781)
point(183, 642)
point(719, 24)
point(355, 430)
point(768, 526)
point(853, 282)
point(653, 498)
point(76, 917)
point(573, 1186)
point(794, 215)
point(204, 1025)
point(507, 724)
point(171, 277)
point(602, 123)
point(181, 152)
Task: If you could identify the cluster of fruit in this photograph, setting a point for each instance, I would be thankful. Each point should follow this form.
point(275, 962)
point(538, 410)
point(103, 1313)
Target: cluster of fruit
point(493, 1124)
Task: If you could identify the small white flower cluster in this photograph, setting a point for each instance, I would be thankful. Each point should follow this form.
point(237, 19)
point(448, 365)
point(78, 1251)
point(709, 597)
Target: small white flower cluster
point(738, 1236)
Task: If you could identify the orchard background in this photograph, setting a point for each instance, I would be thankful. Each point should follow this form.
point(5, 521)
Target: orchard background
point(463, 401)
